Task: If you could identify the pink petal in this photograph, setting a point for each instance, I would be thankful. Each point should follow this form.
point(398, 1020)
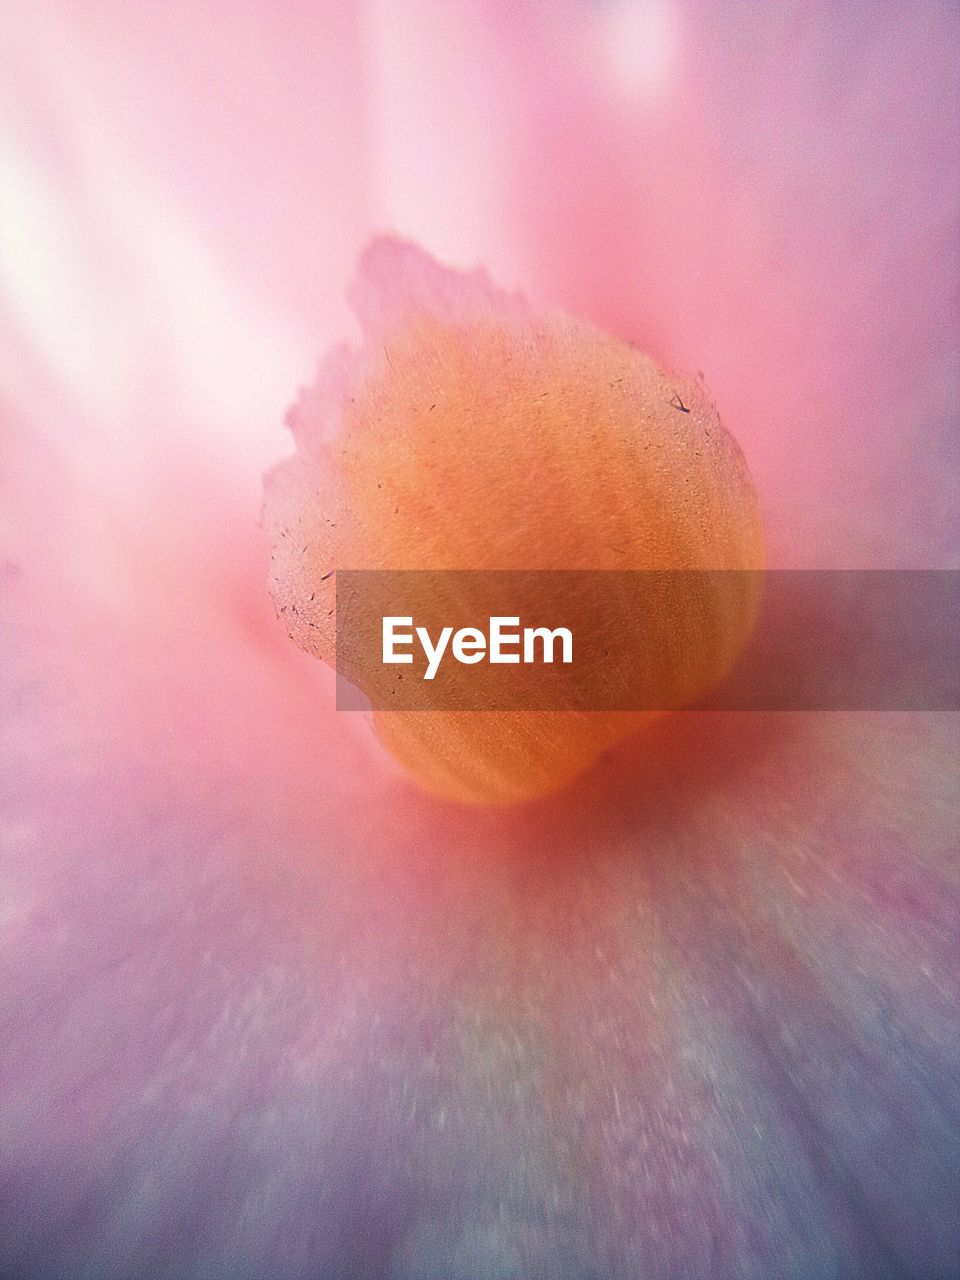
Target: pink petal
point(271, 1013)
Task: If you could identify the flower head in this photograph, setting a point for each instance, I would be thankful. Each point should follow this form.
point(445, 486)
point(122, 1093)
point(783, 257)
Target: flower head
point(268, 1010)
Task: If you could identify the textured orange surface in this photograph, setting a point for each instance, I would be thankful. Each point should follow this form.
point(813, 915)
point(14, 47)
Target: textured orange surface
point(470, 433)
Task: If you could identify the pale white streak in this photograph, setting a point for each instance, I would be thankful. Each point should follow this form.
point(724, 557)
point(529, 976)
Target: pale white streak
point(639, 42)
point(47, 283)
point(111, 281)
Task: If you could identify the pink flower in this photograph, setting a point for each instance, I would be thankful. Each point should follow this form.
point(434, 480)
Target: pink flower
point(267, 1010)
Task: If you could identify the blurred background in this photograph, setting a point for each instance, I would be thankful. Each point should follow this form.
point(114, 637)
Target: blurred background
point(266, 1011)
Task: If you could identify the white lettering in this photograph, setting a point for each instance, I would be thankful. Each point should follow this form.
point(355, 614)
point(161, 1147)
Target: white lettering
point(469, 645)
point(434, 654)
point(498, 638)
point(548, 637)
point(391, 639)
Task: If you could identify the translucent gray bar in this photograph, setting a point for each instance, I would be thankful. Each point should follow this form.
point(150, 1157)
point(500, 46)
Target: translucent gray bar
point(824, 640)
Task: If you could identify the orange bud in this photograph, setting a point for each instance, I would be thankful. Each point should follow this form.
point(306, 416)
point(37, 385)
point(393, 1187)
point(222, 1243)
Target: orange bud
point(469, 432)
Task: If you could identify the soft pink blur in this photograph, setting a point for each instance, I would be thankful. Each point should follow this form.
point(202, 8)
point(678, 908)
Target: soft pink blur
point(268, 1011)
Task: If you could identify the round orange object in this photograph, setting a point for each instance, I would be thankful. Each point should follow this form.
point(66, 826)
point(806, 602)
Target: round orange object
point(470, 433)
